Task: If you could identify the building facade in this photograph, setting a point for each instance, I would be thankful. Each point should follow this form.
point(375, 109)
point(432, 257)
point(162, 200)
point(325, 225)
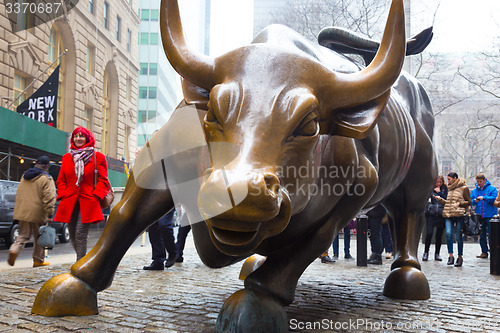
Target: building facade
point(95, 44)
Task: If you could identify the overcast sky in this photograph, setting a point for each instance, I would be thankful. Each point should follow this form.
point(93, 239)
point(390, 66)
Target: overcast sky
point(459, 25)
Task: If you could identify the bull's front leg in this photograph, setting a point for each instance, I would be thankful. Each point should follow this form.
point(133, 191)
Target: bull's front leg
point(75, 293)
point(260, 306)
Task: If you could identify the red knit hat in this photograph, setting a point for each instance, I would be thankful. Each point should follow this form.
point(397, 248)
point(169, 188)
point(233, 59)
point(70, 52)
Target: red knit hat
point(88, 136)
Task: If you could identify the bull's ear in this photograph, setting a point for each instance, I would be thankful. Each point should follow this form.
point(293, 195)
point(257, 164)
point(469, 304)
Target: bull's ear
point(358, 121)
point(194, 94)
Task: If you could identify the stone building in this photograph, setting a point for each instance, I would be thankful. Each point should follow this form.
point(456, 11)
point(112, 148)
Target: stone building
point(98, 79)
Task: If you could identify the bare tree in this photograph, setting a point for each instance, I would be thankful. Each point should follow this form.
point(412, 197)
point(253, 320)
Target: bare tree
point(310, 16)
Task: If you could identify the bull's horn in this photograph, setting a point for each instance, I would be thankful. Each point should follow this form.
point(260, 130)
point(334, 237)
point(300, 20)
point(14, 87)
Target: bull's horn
point(193, 66)
point(360, 87)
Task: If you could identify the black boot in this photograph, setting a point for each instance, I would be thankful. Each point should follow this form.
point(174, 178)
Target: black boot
point(326, 260)
point(451, 260)
point(425, 257)
point(375, 259)
point(437, 257)
point(154, 266)
point(170, 261)
point(459, 262)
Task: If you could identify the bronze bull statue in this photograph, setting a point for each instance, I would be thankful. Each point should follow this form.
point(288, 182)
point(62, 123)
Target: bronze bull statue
point(360, 135)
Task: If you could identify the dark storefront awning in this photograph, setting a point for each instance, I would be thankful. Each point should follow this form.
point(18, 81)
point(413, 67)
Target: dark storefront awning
point(23, 139)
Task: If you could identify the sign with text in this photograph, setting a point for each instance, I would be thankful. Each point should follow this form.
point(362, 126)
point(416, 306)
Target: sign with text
point(42, 105)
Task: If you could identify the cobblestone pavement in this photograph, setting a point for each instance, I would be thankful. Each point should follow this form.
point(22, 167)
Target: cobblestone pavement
point(338, 297)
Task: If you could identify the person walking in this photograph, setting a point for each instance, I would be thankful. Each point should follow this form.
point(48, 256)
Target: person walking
point(77, 189)
point(161, 238)
point(483, 199)
point(182, 233)
point(455, 206)
point(375, 217)
point(347, 244)
point(34, 206)
point(434, 219)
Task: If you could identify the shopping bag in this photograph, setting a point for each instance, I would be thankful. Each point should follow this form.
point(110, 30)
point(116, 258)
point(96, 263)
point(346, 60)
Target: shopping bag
point(46, 237)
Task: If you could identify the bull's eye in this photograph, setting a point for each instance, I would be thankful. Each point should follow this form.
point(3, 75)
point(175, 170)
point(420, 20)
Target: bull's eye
point(308, 127)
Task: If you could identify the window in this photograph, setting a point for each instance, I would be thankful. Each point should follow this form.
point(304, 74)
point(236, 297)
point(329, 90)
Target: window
point(154, 15)
point(88, 115)
point(20, 83)
point(151, 115)
point(145, 15)
point(91, 6)
point(144, 38)
point(144, 68)
point(106, 115)
point(153, 69)
point(90, 59)
point(105, 15)
point(143, 116)
point(129, 40)
point(52, 44)
point(118, 27)
point(143, 92)
point(129, 89)
point(152, 93)
point(153, 39)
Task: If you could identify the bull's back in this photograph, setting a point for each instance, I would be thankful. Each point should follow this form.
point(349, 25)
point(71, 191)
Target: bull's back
point(407, 122)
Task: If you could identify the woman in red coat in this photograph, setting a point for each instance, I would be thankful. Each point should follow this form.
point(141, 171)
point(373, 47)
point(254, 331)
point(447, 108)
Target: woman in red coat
point(76, 189)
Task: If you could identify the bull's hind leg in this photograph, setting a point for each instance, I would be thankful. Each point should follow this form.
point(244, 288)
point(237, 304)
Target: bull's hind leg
point(75, 293)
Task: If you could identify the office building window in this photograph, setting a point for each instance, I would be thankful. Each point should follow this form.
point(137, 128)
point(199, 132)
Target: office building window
point(144, 38)
point(143, 92)
point(90, 59)
point(153, 39)
point(118, 27)
point(88, 116)
point(144, 68)
point(154, 15)
point(20, 83)
point(153, 69)
point(144, 14)
point(143, 116)
point(91, 6)
point(129, 40)
point(152, 93)
point(105, 15)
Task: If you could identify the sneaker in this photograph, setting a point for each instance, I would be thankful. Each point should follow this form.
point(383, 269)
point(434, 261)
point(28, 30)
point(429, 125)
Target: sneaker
point(451, 260)
point(12, 258)
point(40, 264)
point(483, 256)
point(459, 262)
point(437, 257)
point(326, 260)
point(425, 257)
point(348, 256)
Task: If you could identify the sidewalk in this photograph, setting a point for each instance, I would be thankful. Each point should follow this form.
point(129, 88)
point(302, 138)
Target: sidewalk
point(338, 297)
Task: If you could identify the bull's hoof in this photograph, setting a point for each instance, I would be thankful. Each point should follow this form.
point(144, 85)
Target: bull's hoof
point(252, 312)
point(65, 295)
point(407, 283)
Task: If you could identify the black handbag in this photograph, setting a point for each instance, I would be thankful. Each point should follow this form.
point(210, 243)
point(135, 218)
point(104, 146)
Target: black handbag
point(472, 224)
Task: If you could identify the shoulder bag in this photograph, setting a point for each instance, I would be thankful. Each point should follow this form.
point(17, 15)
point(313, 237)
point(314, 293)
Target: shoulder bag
point(108, 199)
point(472, 224)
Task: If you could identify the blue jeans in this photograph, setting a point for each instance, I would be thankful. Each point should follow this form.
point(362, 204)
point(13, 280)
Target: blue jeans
point(454, 222)
point(485, 230)
point(347, 243)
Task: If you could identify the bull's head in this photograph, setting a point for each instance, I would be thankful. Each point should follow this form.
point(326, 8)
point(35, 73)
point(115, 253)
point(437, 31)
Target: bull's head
point(273, 103)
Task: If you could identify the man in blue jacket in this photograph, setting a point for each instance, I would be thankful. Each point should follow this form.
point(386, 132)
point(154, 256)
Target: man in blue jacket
point(483, 197)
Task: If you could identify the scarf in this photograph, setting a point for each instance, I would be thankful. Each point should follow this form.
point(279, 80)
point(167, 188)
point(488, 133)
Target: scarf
point(81, 157)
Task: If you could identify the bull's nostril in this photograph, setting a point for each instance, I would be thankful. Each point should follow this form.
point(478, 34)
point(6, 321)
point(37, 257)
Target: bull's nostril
point(272, 183)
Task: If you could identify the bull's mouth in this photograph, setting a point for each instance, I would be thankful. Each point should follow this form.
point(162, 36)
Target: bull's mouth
point(241, 238)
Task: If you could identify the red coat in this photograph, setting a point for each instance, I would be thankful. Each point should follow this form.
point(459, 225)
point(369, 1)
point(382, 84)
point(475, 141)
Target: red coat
point(87, 196)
